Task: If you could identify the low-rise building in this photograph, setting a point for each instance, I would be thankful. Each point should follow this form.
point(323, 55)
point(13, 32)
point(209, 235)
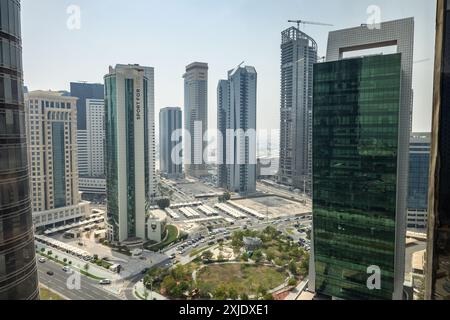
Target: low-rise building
point(156, 225)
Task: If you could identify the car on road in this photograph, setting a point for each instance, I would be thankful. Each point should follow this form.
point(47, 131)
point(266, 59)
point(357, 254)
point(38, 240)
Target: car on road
point(104, 282)
point(66, 269)
point(42, 260)
point(50, 273)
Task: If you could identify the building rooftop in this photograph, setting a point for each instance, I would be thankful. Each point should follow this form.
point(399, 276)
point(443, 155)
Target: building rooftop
point(202, 65)
point(60, 95)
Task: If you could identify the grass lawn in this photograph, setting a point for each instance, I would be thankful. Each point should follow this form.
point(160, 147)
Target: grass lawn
point(172, 235)
point(245, 278)
point(46, 294)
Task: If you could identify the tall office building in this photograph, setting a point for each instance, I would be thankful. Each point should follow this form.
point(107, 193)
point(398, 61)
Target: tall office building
point(18, 271)
point(298, 55)
point(130, 150)
point(170, 126)
point(95, 128)
point(237, 125)
point(419, 172)
point(438, 250)
point(362, 120)
point(84, 91)
point(195, 118)
point(51, 126)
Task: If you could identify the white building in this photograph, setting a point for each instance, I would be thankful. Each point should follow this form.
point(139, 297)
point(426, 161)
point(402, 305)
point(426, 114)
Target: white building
point(93, 175)
point(130, 149)
point(156, 225)
point(237, 125)
point(95, 115)
point(195, 117)
point(92, 185)
point(51, 134)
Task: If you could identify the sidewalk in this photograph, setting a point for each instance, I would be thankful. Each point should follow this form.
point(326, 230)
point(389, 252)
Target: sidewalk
point(152, 295)
point(295, 293)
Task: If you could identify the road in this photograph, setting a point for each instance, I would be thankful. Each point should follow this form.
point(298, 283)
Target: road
point(90, 289)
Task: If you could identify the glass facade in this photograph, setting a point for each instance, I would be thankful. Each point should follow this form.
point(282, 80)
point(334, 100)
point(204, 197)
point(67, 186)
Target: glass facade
point(85, 91)
point(18, 271)
point(355, 145)
point(111, 159)
point(59, 174)
point(419, 167)
point(131, 183)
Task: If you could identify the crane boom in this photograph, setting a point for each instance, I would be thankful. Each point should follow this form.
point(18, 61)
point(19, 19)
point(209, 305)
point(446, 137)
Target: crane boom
point(299, 22)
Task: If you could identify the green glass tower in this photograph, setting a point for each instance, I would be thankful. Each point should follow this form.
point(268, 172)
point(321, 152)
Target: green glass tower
point(355, 168)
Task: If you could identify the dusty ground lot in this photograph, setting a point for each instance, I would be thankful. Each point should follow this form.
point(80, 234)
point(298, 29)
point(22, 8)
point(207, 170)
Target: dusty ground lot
point(275, 206)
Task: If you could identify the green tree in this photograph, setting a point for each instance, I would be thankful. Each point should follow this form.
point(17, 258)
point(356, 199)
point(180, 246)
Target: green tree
point(169, 284)
point(221, 292)
point(65, 260)
point(163, 203)
point(225, 197)
point(270, 255)
point(293, 267)
point(86, 267)
point(207, 255)
point(244, 296)
point(292, 282)
point(245, 256)
point(257, 255)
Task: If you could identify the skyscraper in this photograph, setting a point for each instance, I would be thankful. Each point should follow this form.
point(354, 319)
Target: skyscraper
point(195, 117)
point(438, 251)
point(95, 128)
point(51, 125)
point(170, 123)
point(298, 55)
point(362, 120)
point(84, 91)
point(237, 125)
point(130, 149)
point(18, 271)
point(419, 172)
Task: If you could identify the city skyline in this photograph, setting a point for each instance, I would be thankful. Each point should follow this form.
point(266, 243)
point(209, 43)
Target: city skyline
point(357, 209)
point(257, 35)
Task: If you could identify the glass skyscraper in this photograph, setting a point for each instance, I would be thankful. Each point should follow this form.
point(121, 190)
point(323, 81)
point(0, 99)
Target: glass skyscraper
point(419, 172)
point(355, 152)
point(438, 251)
point(170, 124)
point(236, 149)
point(18, 270)
point(130, 150)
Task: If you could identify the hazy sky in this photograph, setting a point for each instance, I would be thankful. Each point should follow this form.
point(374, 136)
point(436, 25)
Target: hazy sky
point(169, 34)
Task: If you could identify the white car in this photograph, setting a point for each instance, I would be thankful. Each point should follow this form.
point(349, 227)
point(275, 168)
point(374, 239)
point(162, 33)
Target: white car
point(42, 260)
point(66, 269)
point(105, 281)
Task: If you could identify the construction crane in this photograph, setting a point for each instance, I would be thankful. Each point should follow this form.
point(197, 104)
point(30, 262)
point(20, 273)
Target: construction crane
point(299, 22)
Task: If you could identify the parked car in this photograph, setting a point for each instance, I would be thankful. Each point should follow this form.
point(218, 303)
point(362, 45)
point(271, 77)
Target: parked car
point(66, 269)
point(50, 273)
point(42, 260)
point(104, 282)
